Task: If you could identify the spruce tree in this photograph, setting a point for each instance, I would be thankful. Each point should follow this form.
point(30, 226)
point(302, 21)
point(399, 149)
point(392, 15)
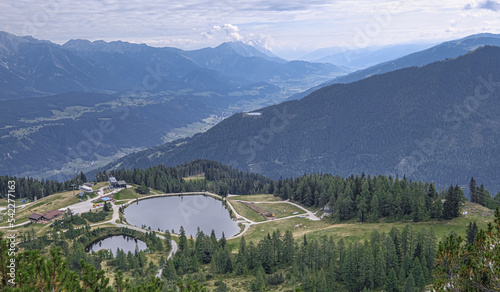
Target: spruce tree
point(473, 191)
point(183, 244)
point(392, 282)
point(451, 205)
point(169, 270)
point(471, 232)
point(410, 284)
point(418, 275)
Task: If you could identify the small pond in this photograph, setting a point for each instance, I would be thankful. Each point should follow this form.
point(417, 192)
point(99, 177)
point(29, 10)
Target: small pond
point(190, 212)
point(124, 242)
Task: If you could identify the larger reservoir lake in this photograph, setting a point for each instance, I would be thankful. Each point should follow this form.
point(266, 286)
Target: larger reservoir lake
point(191, 212)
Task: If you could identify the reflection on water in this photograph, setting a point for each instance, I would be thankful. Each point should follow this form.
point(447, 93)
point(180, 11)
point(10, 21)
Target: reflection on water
point(191, 212)
point(124, 242)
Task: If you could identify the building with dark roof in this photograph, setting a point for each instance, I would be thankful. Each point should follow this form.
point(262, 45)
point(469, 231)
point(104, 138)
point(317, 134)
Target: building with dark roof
point(112, 181)
point(35, 217)
point(52, 215)
point(121, 184)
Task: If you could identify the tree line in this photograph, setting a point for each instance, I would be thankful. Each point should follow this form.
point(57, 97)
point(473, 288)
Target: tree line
point(219, 178)
point(28, 187)
point(364, 197)
point(368, 198)
point(389, 261)
point(481, 196)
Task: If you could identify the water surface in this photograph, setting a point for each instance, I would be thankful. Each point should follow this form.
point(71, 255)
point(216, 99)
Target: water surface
point(124, 242)
point(191, 212)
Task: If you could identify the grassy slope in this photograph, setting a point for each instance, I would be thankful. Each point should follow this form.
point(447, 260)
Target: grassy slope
point(256, 198)
point(195, 177)
point(128, 194)
point(352, 231)
point(246, 212)
point(49, 203)
point(280, 209)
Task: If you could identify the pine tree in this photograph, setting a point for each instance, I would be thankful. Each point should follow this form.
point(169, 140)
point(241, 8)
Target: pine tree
point(183, 244)
point(121, 284)
point(367, 267)
point(222, 241)
point(473, 192)
point(410, 284)
point(451, 205)
point(259, 282)
point(437, 209)
point(168, 241)
point(418, 275)
point(374, 208)
point(93, 280)
point(483, 195)
point(288, 248)
point(392, 282)
point(471, 232)
point(391, 255)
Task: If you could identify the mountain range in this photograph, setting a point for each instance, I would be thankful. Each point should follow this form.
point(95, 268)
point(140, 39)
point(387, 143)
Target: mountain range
point(57, 94)
point(361, 58)
point(440, 52)
point(30, 67)
point(84, 104)
point(438, 122)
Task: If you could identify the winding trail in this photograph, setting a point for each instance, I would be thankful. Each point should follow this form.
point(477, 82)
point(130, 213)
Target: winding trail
point(247, 222)
point(82, 207)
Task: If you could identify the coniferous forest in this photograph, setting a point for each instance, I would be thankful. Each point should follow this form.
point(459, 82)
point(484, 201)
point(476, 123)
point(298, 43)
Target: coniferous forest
point(250, 146)
point(384, 261)
point(402, 259)
point(367, 198)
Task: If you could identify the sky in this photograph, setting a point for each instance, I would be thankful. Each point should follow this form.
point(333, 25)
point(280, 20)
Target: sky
point(288, 28)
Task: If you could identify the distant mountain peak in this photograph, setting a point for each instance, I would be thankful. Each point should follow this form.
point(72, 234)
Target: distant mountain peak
point(250, 50)
point(103, 46)
point(482, 35)
point(10, 42)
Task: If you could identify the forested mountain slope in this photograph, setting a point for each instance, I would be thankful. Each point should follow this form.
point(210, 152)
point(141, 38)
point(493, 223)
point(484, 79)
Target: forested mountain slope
point(443, 51)
point(439, 122)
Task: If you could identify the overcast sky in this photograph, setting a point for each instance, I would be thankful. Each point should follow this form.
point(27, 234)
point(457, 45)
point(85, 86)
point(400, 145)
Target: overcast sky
point(288, 28)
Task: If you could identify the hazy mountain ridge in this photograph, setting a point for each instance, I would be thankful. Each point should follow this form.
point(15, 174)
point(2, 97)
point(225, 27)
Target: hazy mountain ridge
point(382, 124)
point(363, 57)
point(440, 52)
point(451, 49)
point(167, 94)
point(30, 67)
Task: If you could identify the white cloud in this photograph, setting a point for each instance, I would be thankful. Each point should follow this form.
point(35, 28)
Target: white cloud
point(228, 31)
point(276, 24)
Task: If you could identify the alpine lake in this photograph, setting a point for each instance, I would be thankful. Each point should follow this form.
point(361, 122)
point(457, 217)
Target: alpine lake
point(189, 211)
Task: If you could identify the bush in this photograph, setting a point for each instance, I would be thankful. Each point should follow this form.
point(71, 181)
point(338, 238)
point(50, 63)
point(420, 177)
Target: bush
point(143, 189)
point(94, 216)
point(222, 287)
point(276, 279)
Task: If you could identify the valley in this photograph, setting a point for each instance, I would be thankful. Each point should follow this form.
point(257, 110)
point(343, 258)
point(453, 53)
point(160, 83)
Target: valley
point(171, 94)
point(408, 122)
point(254, 147)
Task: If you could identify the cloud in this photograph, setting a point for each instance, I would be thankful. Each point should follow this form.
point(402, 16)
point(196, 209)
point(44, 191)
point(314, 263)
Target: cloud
point(228, 31)
point(486, 4)
point(260, 40)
